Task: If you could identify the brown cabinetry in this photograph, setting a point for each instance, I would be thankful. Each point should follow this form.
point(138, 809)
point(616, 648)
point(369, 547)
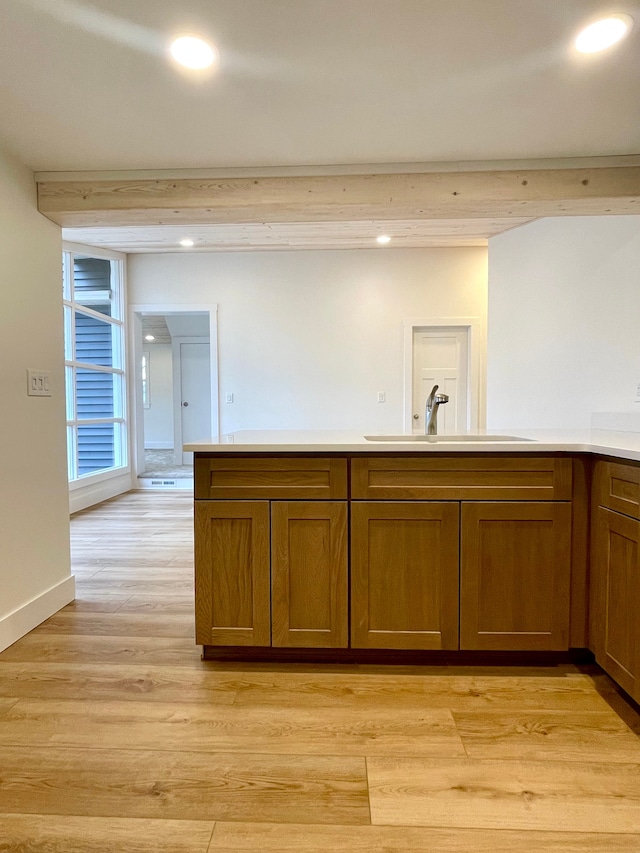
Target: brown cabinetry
point(507, 588)
point(515, 568)
point(615, 574)
point(271, 572)
point(618, 487)
point(278, 478)
point(232, 583)
point(309, 574)
point(404, 575)
point(458, 478)
point(446, 552)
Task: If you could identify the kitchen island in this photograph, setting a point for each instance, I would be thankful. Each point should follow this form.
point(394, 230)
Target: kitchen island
point(327, 546)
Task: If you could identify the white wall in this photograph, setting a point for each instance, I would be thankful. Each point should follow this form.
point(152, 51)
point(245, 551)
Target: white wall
point(35, 579)
point(307, 339)
point(158, 418)
point(564, 321)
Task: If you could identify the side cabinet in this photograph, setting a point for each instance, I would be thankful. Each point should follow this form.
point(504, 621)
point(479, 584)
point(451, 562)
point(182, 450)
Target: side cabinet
point(404, 575)
point(515, 571)
point(617, 556)
point(615, 573)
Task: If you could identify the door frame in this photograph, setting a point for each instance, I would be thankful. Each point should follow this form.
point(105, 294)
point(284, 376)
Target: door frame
point(136, 347)
point(476, 414)
point(178, 453)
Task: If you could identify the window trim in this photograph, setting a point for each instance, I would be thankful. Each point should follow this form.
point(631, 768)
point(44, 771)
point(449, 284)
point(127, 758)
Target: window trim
point(119, 319)
point(146, 378)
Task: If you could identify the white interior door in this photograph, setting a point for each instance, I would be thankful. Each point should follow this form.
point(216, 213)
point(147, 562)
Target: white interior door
point(441, 357)
point(195, 394)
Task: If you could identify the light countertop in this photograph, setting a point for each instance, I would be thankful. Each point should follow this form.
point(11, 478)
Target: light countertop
point(606, 442)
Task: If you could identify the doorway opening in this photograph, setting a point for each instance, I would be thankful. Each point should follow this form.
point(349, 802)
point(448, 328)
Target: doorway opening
point(176, 390)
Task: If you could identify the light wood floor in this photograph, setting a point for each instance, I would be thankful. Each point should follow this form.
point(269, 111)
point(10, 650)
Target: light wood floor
point(115, 736)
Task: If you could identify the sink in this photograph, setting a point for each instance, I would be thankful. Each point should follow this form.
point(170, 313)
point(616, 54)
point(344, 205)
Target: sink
point(438, 439)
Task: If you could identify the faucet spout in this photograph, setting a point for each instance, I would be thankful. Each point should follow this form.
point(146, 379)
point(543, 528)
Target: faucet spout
point(431, 411)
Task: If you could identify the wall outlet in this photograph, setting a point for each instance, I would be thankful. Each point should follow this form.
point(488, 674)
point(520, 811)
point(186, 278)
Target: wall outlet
point(38, 383)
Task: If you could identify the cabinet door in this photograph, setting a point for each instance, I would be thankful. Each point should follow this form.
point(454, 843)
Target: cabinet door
point(515, 569)
point(404, 575)
point(309, 574)
point(616, 603)
point(232, 573)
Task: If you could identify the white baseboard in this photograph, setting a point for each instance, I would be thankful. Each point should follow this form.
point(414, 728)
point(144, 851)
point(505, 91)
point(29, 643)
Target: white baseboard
point(15, 625)
point(94, 493)
point(158, 445)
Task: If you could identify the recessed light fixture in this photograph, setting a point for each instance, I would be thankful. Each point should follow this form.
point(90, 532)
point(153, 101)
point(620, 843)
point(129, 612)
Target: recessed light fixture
point(603, 33)
point(149, 337)
point(187, 243)
point(193, 52)
point(382, 239)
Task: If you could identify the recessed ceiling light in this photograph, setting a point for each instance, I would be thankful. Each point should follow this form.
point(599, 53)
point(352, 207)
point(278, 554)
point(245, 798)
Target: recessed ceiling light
point(149, 337)
point(193, 52)
point(383, 238)
point(187, 243)
point(604, 33)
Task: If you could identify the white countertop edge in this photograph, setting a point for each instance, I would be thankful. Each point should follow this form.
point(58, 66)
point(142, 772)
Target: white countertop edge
point(622, 445)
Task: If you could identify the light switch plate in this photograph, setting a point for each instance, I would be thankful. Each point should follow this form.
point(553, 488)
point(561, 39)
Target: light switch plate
point(38, 383)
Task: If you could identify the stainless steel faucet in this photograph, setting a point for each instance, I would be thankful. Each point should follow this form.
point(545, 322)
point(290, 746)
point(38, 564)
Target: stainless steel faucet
point(431, 413)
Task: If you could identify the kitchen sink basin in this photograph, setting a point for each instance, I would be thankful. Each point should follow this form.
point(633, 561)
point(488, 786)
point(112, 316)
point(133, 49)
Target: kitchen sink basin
point(438, 439)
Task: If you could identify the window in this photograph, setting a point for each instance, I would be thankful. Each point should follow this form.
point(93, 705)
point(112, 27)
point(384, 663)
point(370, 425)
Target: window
point(94, 358)
point(146, 379)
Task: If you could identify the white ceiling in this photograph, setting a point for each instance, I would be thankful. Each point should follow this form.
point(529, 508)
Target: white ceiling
point(156, 325)
point(85, 86)
point(164, 327)
point(406, 234)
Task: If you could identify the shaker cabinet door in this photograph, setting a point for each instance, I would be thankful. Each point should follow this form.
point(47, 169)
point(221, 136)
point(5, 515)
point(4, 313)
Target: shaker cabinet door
point(404, 575)
point(232, 573)
point(616, 597)
point(309, 574)
point(515, 571)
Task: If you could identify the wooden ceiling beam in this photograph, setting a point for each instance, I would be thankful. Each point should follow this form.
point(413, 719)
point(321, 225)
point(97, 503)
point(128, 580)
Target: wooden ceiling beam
point(330, 198)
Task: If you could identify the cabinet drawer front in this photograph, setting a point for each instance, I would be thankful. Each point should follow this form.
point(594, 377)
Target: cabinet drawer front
point(285, 478)
point(619, 488)
point(512, 478)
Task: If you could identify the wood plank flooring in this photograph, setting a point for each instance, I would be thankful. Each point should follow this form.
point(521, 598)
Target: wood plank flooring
point(115, 736)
